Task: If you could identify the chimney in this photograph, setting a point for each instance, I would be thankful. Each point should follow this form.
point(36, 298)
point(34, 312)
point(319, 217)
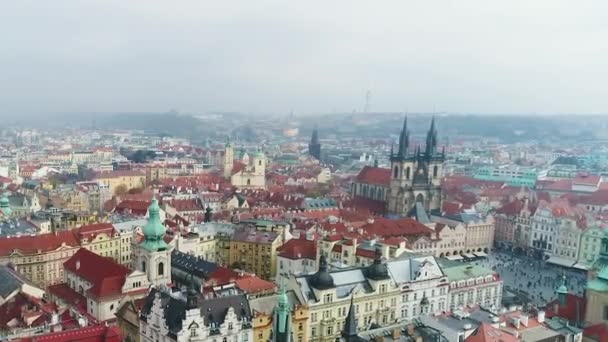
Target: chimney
point(524, 320)
point(541, 316)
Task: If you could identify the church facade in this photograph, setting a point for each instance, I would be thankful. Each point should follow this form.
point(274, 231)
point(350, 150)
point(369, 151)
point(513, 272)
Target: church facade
point(415, 174)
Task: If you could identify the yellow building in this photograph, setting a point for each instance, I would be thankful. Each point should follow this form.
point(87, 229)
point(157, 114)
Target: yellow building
point(68, 220)
point(121, 180)
point(155, 173)
point(371, 291)
point(255, 251)
point(101, 239)
point(263, 310)
point(40, 257)
point(597, 287)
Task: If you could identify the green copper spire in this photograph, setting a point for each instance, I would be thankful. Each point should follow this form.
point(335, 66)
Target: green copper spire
point(5, 205)
point(562, 291)
point(283, 308)
point(154, 231)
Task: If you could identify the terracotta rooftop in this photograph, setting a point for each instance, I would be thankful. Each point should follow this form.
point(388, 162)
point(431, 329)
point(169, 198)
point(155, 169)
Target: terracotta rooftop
point(375, 175)
point(298, 249)
point(106, 276)
point(401, 228)
point(28, 245)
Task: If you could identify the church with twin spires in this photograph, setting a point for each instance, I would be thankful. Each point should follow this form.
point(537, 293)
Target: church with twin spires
point(415, 174)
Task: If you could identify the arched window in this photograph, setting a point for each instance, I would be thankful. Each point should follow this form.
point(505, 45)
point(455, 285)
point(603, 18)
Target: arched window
point(407, 173)
point(143, 266)
point(248, 181)
point(435, 170)
point(161, 269)
point(396, 172)
point(420, 198)
point(260, 163)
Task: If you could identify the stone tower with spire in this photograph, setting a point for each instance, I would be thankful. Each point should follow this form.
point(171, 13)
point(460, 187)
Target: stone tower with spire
point(153, 255)
point(349, 330)
point(415, 174)
point(314, 147)
point(281, 321)
point(228, 159)
point(5, 206)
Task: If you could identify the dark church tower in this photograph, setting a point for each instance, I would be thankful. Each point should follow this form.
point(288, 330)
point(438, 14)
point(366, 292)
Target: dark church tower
point(314, 148)
point(415, 175)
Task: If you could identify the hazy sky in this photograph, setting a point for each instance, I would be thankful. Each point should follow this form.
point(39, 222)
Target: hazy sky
point(310, 56)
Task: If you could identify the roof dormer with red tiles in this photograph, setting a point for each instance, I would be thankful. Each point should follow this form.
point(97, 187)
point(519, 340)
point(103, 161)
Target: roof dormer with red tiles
point(101, 281)
point(372, 183)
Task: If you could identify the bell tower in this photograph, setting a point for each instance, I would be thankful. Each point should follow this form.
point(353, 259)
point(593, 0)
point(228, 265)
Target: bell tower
point(415, 175)
point(153, 254)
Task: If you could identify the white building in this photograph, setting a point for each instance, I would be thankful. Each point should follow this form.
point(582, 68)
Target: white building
point(185, 317)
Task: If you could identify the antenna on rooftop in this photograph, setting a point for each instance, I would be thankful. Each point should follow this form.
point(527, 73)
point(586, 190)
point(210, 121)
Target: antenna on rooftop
point(368, 101)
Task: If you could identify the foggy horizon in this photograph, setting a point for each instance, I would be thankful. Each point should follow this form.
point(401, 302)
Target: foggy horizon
point(70, 57)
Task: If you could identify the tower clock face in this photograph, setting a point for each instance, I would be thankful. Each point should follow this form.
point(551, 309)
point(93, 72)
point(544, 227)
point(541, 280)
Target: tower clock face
point(420, 171)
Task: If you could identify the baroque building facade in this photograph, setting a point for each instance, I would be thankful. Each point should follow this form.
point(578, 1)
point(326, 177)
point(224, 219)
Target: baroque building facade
point(415, 174)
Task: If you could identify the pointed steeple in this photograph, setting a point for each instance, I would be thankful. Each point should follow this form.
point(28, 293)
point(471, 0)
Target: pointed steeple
point(431, 140)
point(314, 147)
point(153, 230)
point(349, 330)
point(315, 135)
point(283, 310)
point(404, 139)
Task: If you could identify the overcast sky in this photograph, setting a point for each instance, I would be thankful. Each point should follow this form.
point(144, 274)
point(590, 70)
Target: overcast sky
point(483, 56)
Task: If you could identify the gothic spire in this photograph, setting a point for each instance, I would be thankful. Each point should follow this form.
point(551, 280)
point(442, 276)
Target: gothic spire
point(404, 138)
point(350, 325)
point(431, 139)
point(315, 136)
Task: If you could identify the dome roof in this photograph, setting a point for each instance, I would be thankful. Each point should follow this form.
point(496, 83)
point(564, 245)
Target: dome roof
point(153, 230)
point(322, 280)
point(562, 289)
point(377, 270)
point(5, 205)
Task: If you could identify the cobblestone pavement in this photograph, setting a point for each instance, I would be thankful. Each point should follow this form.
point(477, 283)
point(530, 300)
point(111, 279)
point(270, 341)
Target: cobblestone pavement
point(537, 278)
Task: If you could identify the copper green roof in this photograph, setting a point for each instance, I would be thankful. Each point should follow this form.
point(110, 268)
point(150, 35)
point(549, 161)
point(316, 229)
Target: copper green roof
point(5, 205)
point(598, 285)
point(154, 231)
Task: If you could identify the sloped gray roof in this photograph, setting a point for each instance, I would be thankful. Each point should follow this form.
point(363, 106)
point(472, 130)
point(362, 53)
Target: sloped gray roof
point(9, 281)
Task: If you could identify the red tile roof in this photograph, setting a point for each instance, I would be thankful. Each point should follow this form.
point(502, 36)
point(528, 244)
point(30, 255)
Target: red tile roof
point(374, 206)
point(187, 205)
point(365, 253)
point(487, 333)
point(598, 332)
point(90, 231)
point(105, 276)
point(400, 228)
point(298, 249)
point(28, 245)
point(599, 197)
point(375, 175)
point(98, 333)
point(133, 207)
point(587, 179)
point(568, 311)
point(70, 296)
point(251, 284)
